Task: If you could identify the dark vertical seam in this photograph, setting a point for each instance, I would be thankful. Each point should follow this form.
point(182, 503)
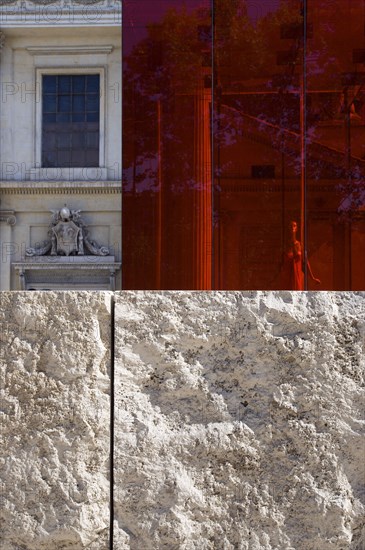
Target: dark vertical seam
point(112, 359)
point(305, 213)
point(212, 160)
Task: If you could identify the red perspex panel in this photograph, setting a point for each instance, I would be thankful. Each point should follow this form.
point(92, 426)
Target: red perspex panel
point(243, 144)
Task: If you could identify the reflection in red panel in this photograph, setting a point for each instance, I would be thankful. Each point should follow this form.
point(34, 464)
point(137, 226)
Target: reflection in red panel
point(336, 142)
point(258, 149)
point(167, 195)
point(243, 144)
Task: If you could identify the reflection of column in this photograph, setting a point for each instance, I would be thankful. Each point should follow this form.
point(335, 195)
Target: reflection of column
point(203, 190)
point(7, 247)
point(347, 258)
point(159, 200)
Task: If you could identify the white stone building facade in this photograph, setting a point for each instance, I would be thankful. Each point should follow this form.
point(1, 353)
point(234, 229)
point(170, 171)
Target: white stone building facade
point(60, 140)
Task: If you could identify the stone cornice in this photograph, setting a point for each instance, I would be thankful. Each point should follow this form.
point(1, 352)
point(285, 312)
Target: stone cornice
point(66, 50)
point(67, 265)
point(60, 13)
point(60, 187)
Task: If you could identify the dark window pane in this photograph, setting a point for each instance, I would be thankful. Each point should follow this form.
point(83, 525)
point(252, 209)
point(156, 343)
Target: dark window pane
point(92, 140)
point(69, 135)
point(47, 118)
point(92, 83)
point(64, 103)
point(78, 103)
point(49, 159)
point(78, 117)
point(63, 117)
point(92, 126)
point(64, 158)
point(64, 141)
point(49, 103)
point(92, 117)
point(78, 140)
point(78, 157)
point(78, 84)
point(92, 102)
point(263, 171)
point(49, 141)
point(92, 158)
point(64, 84)
point(49, 84)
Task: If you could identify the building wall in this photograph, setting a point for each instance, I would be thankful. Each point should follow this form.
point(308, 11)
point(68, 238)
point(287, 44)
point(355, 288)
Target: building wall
point(237, 420)
point(21, 94)
point(28, 191)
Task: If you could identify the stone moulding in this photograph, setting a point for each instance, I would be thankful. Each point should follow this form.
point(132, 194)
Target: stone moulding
point(49, 13)
point(88, 262)
point(106, 4)
point(60, 187)
point(67, 50)
point(42, 268)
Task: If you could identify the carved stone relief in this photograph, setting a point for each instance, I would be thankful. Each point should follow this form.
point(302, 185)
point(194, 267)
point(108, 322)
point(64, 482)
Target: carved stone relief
point(68, 236)
point(108, 3)
point(8, 216)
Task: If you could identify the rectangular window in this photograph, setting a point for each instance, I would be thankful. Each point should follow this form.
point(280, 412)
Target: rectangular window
point(263, 171)
point(70, 120)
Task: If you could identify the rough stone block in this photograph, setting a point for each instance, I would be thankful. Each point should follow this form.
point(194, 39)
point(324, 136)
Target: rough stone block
point(238, 420)
point(55, 403)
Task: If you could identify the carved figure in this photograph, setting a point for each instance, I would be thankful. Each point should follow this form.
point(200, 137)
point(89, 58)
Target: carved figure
point(68, 235)
point(292, 276)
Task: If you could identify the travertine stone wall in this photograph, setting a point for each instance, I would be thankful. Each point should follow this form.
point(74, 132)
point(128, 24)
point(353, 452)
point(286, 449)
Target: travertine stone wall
point(238, 420)
point(55, 404)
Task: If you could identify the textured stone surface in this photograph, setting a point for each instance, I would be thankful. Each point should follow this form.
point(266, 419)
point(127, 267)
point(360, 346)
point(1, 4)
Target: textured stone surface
point(239, 421)
point(55, 403)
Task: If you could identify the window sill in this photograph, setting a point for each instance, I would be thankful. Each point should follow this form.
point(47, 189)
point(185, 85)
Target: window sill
point(67, 174)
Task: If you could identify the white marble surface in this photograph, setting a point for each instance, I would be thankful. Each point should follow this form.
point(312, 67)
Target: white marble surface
point(55, 420)
point(239, 421)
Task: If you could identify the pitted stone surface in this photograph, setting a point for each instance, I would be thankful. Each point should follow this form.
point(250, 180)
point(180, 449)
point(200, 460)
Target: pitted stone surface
point(55, 403)
point(239, 421)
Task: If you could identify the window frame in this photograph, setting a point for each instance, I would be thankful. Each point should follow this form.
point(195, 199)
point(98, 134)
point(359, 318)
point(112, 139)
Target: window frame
point(73, 71)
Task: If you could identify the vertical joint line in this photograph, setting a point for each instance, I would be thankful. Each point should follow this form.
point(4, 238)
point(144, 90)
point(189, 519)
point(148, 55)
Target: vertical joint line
point(111, 474)
point(212, 121)
point(305, 240)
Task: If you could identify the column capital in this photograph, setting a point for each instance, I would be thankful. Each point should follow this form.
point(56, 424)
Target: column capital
point(2, 40)
point(8, 216)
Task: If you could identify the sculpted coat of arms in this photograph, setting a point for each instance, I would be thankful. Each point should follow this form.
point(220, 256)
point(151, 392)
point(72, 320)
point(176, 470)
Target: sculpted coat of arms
point(68, 236)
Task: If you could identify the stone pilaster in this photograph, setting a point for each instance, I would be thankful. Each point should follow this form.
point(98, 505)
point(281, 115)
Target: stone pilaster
point(8, 219)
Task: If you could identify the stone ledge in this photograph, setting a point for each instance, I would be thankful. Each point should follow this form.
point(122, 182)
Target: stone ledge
point(67, 50)
point(99, 272)
point(59, 187)
point(68, 262)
